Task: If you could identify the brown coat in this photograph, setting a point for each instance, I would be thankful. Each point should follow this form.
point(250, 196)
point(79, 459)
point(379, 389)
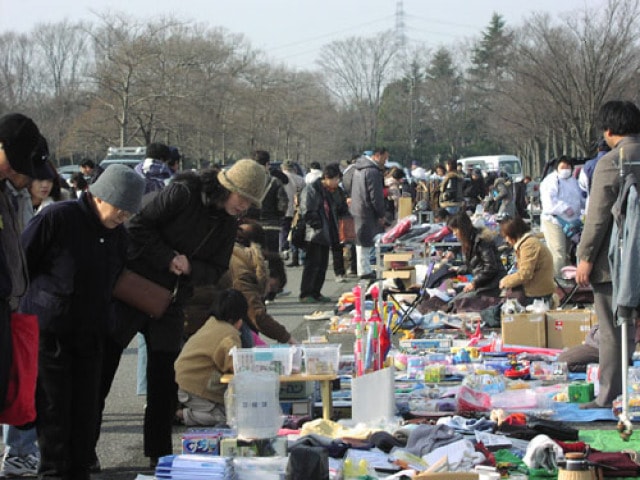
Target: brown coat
point(535, 268)
point(248, 273)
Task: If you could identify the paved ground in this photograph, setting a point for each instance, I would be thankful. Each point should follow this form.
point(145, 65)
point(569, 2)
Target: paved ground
point(120, 448)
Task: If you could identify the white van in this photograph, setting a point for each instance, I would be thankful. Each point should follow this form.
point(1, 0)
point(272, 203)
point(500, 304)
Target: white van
point(495, 163)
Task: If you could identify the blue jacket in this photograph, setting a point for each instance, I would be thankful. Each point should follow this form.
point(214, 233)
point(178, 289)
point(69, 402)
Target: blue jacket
point(73, 263)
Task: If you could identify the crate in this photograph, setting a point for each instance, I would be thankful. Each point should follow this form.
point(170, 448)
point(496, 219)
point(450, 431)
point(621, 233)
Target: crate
point(274, 359)
point(321, 359)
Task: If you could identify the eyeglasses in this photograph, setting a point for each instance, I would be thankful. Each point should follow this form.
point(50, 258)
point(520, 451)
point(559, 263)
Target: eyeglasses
point(123, 215)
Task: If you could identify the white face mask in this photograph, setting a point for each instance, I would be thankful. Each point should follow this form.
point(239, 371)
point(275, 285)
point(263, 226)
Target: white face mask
point(564, 173)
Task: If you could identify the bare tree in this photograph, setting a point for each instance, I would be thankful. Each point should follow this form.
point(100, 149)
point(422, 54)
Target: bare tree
point(357, 70)
point(17, 86)
point(565, 71)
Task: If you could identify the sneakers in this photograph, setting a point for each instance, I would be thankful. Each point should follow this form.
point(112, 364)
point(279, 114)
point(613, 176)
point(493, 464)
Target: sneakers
point(340, 279)
point(323, 299)
point(15, 466)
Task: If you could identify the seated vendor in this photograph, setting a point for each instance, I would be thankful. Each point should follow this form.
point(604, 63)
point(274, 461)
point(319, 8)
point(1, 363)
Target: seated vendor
point(205, 358)
point(481, 258)
point(534, 276)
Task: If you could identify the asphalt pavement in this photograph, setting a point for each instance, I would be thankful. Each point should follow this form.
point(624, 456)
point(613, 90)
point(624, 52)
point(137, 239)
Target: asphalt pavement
point(120, 448)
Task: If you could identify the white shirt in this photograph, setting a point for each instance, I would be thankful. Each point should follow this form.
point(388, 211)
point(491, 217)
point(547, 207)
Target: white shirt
point(560, 197)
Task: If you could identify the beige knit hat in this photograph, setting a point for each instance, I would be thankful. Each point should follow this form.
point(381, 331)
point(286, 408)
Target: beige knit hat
point(247, 178)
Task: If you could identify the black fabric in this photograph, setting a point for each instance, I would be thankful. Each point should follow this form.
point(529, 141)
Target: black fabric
point(308, 463)
point(67, 402)
point(315, 270)
point(491, 316)
point(554, 430)
point(385, 441)
point(5, 350)
point(162, 393)
point(298, 232)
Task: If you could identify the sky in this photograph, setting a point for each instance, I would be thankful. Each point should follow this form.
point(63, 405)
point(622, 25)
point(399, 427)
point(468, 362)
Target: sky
point(294, 31)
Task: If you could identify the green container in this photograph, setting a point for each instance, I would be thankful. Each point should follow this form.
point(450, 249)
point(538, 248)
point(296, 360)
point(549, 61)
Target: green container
point(581, 392)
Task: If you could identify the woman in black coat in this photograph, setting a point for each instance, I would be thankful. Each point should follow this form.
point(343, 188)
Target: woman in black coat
point(481, 256)
point(183, 237)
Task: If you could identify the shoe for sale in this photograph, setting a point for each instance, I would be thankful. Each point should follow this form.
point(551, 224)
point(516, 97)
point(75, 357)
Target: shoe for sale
point(19, 466)
point(340, 279)
point(319, 315)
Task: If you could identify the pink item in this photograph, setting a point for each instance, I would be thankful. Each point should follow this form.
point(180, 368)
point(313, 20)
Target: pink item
point(257, 341)
point(400, 228)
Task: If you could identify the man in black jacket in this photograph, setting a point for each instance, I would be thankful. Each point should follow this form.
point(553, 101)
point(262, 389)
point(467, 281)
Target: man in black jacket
point(319, 211)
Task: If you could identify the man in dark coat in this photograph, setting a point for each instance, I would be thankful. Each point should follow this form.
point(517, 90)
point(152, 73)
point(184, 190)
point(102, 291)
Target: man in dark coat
point(75, 251)
point(319, 211)
point(367, 206)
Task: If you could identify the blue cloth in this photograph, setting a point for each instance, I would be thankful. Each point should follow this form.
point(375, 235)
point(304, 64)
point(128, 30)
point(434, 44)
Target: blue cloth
point(571, 412)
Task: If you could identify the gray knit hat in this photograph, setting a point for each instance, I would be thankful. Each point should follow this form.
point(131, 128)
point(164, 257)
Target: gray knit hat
point(121, 187)
point(247, 178)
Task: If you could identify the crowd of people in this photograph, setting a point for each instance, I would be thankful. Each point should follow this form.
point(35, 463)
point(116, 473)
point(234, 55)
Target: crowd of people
point(218, 239)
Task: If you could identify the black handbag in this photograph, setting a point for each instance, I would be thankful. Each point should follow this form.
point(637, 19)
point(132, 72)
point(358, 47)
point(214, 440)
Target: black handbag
point(298, 231)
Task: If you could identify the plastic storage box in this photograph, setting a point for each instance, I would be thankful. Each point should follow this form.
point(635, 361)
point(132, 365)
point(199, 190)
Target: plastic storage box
point(321, 359)
point(274, 359)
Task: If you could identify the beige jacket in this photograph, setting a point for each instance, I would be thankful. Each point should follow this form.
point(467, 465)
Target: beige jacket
point(535, 268)
point(205, 358)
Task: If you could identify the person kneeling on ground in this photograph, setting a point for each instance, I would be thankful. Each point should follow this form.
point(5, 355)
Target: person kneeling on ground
point(205, 358)
point(534, 278)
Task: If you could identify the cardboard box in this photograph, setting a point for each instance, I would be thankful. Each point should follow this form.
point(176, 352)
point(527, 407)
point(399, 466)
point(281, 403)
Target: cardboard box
point(393, 261)
point(408, 275)
point(405, 206)
point(567, 328)
point(524, 329)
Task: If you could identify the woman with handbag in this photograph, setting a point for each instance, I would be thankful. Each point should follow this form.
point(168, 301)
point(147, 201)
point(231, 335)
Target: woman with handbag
point(182, 238)
point(75, 251)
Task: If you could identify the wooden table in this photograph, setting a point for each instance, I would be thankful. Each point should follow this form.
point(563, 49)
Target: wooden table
point(325, 387)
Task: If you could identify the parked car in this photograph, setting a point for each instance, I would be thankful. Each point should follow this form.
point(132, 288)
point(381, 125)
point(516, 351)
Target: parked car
point(129, 156)
point(67, 170)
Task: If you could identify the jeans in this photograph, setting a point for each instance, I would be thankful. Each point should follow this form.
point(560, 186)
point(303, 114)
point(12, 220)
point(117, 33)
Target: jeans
point(19, 443)
point(363, 255)
point(141, 379)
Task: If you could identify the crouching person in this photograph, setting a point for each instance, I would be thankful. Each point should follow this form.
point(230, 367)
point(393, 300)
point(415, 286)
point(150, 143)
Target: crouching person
point(205, 358)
